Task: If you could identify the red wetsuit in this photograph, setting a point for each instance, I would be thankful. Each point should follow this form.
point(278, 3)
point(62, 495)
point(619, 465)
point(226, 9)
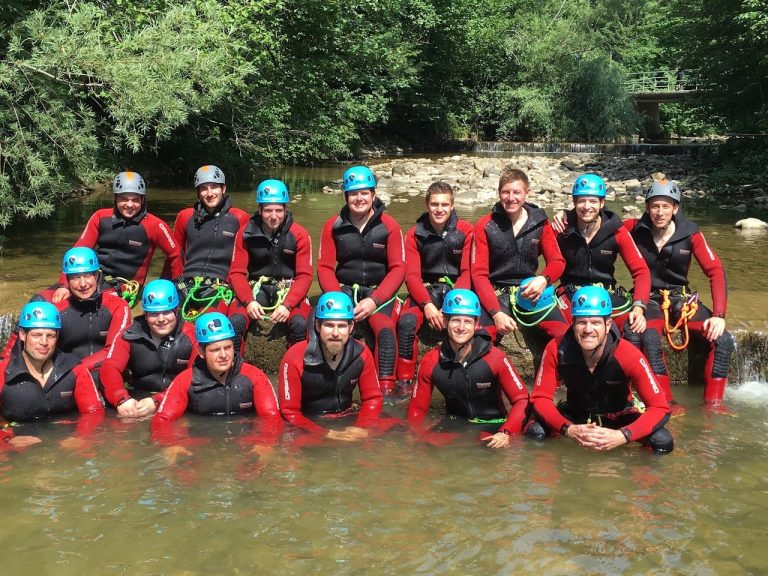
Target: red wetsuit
point(669, 271)
point(195, 389)
point(307, 386)
point(69, 387)
point(501, 260)
point(125, 246)
point(603, 396)
point(431, 259)
point(374, 260)
point(593, 262)
point(472, 388)
point(285, 256)
point(152, 365)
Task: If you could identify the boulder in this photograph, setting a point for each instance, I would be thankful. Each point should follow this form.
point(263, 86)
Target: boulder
point(751, 224)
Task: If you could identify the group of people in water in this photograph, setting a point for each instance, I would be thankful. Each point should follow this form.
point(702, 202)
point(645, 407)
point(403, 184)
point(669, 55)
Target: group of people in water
point(77, 347)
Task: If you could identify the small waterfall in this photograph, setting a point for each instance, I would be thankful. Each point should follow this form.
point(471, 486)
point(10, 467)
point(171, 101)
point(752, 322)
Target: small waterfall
point(750, 360)
point(631, 149)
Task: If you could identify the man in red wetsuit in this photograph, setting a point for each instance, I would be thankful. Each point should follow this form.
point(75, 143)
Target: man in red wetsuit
point(154, 349)
point(437, 250)
point(667, 240)
point(506, 247)
point(125, 238)
point(472, 375)
point(600, 372)
point(206, 235)
point(218, 383)
point(318, 377)
point(38, 380)
point(590, 238)
point(272, 266)
point(362, 254)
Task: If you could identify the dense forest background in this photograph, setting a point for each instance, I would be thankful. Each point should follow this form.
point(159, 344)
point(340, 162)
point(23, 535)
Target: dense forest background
point(88, 87)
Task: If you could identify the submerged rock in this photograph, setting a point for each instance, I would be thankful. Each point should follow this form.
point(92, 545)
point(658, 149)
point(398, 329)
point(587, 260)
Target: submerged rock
point(751, 224)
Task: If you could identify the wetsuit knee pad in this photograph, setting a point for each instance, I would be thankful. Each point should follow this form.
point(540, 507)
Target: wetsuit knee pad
point(406, 334)
point(661, 441)
point(386, 351)
point(652, 348)
point(724, 347)
point(634, 338)
point(297, 329)
point(239, 323)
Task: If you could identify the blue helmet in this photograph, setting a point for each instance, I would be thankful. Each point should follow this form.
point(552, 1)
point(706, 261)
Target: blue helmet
point(159, 296)
point(546, 299)
point(40, 315)
point(591, 301)
point(335, 306)
point(589, 185)
point(212, 327)
point(358, 178)
point(461, 302)
point(80, 260)
point(272, 192)
point(129, 183)
point(209, 174)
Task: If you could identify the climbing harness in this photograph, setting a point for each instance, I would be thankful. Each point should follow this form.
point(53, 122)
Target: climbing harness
point(687, 311)
point(355, 294)
point(128, 290)
point(635, 406)
point(282, 287)
point(203, 294)
point(487, 420)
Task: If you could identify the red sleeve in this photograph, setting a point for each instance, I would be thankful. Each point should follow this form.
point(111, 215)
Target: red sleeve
point(302, 278)
point(465, 277)
point(289, 387)
point(111, 371)
point(413, 279)
point(713, 268)
point(121, 319)
point(162, 238)
point(5, 356)
point(656, 407)
point(514, 389)
point(265, 404)
point(555, 263)
point(370, 392)
point(180, 239)
point(87, 397)
point(172, 407)
point(544, 388)
point(395, 263)
point(326, 259)
point(89, 238)
point(641, 276)
point(480, 268)
point(238, 271)
point(422, 393)
point(629, 224)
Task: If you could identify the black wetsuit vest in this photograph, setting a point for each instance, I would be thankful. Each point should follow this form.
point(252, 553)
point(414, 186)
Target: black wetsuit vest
point(587, 264)
point(207, 396)
point(210, 241)
point(440, 253)
point(361, 257)
point(272, 256)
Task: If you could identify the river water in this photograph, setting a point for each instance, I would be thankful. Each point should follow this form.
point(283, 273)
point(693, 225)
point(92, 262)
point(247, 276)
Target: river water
point(390, 505)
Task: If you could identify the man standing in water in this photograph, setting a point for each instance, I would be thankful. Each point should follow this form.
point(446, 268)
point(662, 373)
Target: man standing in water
point(600, 372)
point(318, 377)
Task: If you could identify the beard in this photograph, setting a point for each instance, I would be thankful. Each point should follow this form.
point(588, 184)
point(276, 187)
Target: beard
point(333, 348)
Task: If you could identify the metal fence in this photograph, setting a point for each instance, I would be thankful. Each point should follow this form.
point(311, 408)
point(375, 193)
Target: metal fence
point(662, 81)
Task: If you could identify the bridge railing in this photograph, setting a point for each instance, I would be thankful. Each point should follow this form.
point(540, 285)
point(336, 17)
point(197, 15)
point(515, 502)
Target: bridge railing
point(662, 81)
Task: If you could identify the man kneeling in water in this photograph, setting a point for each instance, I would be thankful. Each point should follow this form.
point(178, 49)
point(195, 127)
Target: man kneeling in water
point(471, 373)
point(319, 376)
point(600, 372)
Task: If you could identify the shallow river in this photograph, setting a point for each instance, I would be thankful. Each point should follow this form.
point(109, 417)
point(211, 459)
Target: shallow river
point(389, 505)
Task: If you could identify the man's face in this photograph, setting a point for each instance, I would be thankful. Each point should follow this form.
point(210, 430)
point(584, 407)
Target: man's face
point(360, 202)
point(661, 211)
point(588, 208)
point(590, 331)
point(39, 343)
point(210, 195)
point(461, 329)
point(334, 334)
point(439, 208)
point(272, 215)
point(219, 356)
point(83, 286)
point(512, 197)
point(128, 205)
point(161, 324)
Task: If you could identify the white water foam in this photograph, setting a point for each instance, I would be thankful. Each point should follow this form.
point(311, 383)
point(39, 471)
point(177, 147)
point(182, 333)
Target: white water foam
point(753, 391)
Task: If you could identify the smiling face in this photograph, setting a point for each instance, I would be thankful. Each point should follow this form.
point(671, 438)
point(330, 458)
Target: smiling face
point(439, 208)
point(661, 211)
point(590, 332)
point(128, 204)
point(588, 208)
point(272, 216)
point(219, 356)
point(161, 324)
point(360, 202)
point(83, 286)
point(211, 194)
point(461, 329)
point(39, 343)
point(512, 196)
